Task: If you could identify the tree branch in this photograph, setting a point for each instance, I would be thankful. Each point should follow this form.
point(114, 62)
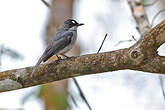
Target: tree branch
point(142, 56)
point(140, 21)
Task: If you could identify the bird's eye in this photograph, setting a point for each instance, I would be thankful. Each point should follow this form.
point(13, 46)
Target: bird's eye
point(73, 22)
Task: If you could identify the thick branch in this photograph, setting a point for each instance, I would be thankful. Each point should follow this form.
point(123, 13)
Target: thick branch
point(142, 56)
point(142, 28)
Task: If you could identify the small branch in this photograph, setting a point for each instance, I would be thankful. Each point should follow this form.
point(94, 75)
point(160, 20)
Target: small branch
point(156, 16)
point(81, 93)
point(122, 41)
point(134, 38)
point(46, 3)
point(102, 43)
point(78, 86)
point(74, 101)
point(162, 85)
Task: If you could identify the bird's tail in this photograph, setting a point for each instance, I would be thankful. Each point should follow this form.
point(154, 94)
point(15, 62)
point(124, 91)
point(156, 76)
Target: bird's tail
point(36, 66)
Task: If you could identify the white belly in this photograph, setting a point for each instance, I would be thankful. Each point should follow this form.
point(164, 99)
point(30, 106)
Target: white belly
point(69, 47)
point(66, 49)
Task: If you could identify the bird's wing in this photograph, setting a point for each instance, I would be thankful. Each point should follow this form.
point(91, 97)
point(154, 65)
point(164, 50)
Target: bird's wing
point(59, 44)
point(54, 47)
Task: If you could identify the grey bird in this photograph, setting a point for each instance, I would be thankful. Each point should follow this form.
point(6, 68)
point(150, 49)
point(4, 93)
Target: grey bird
point(62, 42)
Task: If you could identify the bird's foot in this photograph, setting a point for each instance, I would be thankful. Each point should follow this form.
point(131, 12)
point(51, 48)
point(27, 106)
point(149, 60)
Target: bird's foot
point(59, 58)
point(62, 57)
point(65, 56)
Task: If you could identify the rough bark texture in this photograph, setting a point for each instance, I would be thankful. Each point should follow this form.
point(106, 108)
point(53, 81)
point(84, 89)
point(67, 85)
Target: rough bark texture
point(142, 56)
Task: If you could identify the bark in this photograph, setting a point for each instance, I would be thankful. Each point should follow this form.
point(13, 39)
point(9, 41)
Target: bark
point(142, 56)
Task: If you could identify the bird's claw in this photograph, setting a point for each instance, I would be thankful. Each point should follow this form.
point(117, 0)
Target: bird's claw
point(59, 58)
point(65, 56)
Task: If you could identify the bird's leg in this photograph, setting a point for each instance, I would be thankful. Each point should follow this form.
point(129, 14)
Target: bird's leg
point(65, 56)
point(59, 58)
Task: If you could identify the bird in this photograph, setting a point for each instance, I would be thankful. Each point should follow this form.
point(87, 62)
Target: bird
point(63, 41)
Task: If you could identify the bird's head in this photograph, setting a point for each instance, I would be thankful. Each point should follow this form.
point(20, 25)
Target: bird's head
point(71, 24)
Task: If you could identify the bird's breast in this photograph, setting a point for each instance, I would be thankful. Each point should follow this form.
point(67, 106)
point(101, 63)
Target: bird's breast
point(70, 45)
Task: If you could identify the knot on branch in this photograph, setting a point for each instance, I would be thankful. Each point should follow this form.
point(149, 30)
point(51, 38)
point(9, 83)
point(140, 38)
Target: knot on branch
point(136, 56)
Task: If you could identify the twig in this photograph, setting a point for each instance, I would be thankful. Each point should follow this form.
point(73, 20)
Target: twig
point(1, 52)
point(122, 41)
point(162, 85)
point(81, 93)
point(102, 43)
point(134, 38)
point(156, 16)
point(74, 101)
point(46, 3)
point(78, 86)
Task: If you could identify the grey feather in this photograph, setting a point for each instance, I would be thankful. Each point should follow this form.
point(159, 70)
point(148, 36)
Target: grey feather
point(59, 45)
point(36, 66)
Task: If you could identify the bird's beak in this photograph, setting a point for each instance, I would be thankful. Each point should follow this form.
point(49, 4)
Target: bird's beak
point(80, 24)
